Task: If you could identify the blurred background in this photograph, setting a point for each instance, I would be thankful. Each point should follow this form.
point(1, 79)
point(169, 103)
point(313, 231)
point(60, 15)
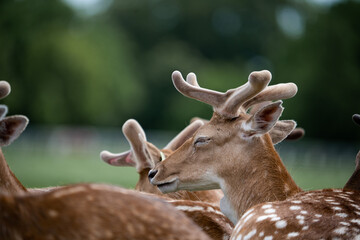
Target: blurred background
point(80, 68)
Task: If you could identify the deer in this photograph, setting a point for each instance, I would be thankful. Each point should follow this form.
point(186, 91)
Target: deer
point(207, 216)
point(144, 155)
point(92, 211)
point(201, 207)
point(83, 211)
point(354, 181)
point(234, 152)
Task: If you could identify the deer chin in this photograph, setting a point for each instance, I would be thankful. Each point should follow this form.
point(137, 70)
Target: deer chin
point(169, 186)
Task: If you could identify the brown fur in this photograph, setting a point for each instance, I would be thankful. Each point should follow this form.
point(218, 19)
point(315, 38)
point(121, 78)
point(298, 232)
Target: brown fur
point(92, 211)
point(323, 214)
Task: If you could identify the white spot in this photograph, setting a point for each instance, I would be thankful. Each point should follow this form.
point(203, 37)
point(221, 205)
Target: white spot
point(53, 213)
point(355, 206)
point(295, 208)
point(300, 217)
point(341, 230)
point(190, 208)
point(293, 234)
point(239, 237)
point(337, 190)
point(355, 221)
point(305, 228)
point(343, 215)
point(247, 212)
point(357, 213)
point(261, 234)
point(268, 238)
point(316, 220)
point(247, 218)
point(270, 210)
point(250, 234)
point(337, 208)
point(262, 218)
point(304, 212)
point(329, 200)
point(68, 191)
point(296, 202)
point(345, 223)
point(318, 215)
point(266, 206)
point(275, 219)
point(281, 224)
point(334, 203)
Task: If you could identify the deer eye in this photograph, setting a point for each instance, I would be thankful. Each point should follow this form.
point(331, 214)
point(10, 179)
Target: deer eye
point(201, 141)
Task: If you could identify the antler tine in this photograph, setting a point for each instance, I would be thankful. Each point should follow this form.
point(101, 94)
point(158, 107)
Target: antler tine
point(132, 129)
point(137, 140)
point(256, 83)
point(5, 89)
point(191, 79)
point(192, 90)
point(274, 93)
point(184, 134)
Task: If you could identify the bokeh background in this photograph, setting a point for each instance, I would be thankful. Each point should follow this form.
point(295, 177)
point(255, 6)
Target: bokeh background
point(80, 68)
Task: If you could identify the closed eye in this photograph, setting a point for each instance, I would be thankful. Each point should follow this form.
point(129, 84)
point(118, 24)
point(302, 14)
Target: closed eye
point(201, 141)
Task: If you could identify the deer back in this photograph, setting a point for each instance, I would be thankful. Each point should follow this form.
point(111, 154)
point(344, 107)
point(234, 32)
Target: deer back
point(92, 211)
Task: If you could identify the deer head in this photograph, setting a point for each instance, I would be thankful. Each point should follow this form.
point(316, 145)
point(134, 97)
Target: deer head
point(143, 155)
point(233, 151)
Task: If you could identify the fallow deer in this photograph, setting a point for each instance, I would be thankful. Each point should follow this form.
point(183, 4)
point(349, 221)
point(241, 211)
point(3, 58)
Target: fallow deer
point(234, 152)
point(92, 211)
point(18, 220)
point(144, 155)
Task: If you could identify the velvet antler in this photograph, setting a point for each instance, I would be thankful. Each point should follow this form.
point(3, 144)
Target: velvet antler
point(226, 104)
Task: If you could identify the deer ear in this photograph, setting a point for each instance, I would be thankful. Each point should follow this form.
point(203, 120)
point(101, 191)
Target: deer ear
point(263, 120)
point(3, 111)
point(11, 128)
point(281, 130)
point(117, 159)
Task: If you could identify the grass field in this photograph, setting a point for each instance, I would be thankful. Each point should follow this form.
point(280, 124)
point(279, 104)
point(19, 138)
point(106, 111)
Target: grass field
point(41, 163)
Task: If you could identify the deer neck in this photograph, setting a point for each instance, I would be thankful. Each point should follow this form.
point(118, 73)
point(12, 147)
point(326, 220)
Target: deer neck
point(8, 181)
point(265, 179)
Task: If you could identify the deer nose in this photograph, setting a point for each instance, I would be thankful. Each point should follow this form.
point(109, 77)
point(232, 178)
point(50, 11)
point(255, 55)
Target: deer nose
point(152, 174)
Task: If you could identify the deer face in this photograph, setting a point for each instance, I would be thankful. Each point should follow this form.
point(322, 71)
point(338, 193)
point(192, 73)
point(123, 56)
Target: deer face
point(202, 162)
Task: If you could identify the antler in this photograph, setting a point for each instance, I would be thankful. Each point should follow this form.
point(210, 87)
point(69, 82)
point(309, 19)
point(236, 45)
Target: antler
point(356, 119)
point(226, 104)
point(273, 93)
point(5, 89)
point(137, 140)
